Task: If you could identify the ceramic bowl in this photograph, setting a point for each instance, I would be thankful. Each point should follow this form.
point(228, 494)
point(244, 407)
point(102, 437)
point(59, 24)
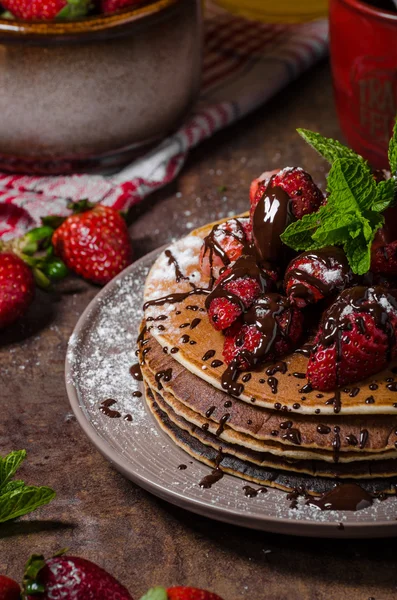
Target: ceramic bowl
point(92, 94)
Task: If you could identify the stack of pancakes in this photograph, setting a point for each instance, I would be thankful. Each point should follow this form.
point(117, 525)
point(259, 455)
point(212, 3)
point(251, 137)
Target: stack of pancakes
point(277, 431)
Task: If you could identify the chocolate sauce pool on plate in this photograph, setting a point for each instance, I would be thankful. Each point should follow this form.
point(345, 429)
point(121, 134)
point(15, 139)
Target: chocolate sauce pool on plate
point(346, 496)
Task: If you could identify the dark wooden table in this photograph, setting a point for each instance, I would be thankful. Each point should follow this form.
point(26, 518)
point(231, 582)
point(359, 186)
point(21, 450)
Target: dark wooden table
point(100, 515)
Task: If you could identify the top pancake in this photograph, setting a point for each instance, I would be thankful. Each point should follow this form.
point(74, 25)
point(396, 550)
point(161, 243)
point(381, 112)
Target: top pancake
point(183, 328)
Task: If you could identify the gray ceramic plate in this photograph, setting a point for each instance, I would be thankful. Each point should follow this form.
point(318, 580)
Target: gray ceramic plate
point(100, 354)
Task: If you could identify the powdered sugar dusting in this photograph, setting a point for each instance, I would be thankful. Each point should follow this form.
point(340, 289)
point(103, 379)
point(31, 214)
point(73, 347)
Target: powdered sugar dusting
point(100, 355)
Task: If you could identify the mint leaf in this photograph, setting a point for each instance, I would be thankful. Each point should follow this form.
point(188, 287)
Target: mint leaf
point(351, 185)
point(12, 485)
point(299, 235)
point(16, 498)
point(385, 194)
point(358, 248)
point(358, 254)
point(328, 148)
point(9, 466)
point(23, 500)
point(393, 150)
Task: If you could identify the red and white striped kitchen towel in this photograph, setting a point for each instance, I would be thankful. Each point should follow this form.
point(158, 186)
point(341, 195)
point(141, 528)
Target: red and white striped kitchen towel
point(245, 63)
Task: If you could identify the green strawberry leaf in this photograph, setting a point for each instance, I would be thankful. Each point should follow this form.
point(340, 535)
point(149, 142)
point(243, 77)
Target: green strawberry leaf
point(386, 192)
point(9, 465)
point(74, 9)
point(299, 235)
point(328, 148)
point(393, 150)
point(32, 569)
point(23, 500)
point(156, 593)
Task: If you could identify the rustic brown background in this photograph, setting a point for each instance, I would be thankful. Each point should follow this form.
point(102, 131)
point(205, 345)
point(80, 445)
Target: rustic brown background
point(100, 515)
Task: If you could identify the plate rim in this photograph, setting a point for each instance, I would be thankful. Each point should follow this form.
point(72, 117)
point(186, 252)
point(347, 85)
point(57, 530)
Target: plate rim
point(274, 524)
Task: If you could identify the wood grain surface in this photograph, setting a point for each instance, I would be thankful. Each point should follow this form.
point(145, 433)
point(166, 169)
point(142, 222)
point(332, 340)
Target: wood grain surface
point(100, 515)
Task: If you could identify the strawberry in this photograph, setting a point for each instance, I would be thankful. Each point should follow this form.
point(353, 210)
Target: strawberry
point(16, 288)
point(70, 578)
point(224, 245)
point(179, 593)
point(235, 291)
point(261, 180)
point(316, 274)
point(240, 338)
point(46, 10)
point(224, 310)
point(9, 589)
point(94, 243)
point(356, 338)
point(306, 197)
point(384, 259)
point(110, 6)
point(272, 327)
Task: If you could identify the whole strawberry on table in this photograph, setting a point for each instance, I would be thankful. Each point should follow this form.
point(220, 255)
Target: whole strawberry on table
point(301, 255)
point(92, 242)
point(66, 577)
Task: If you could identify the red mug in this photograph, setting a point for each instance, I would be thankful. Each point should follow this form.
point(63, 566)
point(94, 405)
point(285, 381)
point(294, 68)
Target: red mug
point(363, 42)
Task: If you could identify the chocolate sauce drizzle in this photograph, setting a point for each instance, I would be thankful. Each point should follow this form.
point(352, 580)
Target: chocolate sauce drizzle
point(336, 323)
point(264, 314)
point(215, 475)
point(212, 248)
point(178, 273)
point(330, 259)
point(109, 412)
point(346, 496)
point(136, 372)
point(165, 375)
point(251, 492)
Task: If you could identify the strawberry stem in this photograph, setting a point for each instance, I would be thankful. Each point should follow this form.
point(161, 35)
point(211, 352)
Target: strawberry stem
point(156, 593)
point(30, 583)
point(80, 206)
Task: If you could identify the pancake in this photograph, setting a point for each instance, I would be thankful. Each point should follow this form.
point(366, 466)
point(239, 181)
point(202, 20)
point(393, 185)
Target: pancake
point(176, 315)
point(225, 433)
point(197, 400)
point(200, 448)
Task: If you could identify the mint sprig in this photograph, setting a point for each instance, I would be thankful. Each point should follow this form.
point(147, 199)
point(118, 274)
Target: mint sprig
point(392, 154)
point(328, 148)
point(352, 214)
point(17, 498)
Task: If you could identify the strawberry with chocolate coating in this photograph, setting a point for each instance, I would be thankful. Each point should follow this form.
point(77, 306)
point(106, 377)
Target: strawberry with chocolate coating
point(224, 245)
point(270, 328)
point(231, 297)
point(70, 578)
point(356, 338)
point(306, 197)
point(262, 181)
point(317, 274)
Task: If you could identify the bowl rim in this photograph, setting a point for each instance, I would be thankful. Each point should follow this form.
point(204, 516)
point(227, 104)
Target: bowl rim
point(20, 30)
